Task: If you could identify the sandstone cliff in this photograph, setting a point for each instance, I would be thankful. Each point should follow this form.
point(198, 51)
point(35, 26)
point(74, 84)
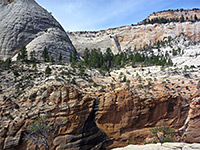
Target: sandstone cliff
point(177, 15)
point(60, 102)
point(25, 23)
point(135, 36)
point(95, 119)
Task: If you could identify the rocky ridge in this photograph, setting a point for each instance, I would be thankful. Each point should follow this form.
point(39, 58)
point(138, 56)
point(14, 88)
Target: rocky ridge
point(25, 23)
point(97, 119)
point(134, 36)
point(165, 146)
point(101, 109)
point(188, 15)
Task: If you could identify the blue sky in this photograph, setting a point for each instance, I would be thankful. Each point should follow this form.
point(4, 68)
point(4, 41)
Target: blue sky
point(84, 15)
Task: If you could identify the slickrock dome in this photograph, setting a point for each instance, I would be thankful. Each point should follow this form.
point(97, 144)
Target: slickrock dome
point(25, 23)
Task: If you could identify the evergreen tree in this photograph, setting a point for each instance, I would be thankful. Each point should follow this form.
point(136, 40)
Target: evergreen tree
point(195, 17)
point(86, 56)
point(74, 57)
point(22, 55)
point(33, 56)
point(52, 59)
point(108, 58)
point(60, 58)
point(47, 71)
point(7, 63)
point(45, 55)
point(70, 57)
point(182, 18)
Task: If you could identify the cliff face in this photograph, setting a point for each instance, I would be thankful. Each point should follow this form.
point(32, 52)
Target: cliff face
point(188, 15)
point(95, 119)
point(124, 116)
point(57, 101)
point(108, 121)
point(138, 36)
point(25, 23)
point(192, 122)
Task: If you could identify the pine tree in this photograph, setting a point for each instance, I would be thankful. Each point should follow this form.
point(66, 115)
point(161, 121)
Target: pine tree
point(22, 55)
point(7, 63)
point(195, 17)
point(60, 58)
point(86, 56)
point(33, 56)
point(52, 59)
point(108, 58)
point(70, 57)
point(74, 57)
point(45, 55)
point(182, 18)
point(47, 71)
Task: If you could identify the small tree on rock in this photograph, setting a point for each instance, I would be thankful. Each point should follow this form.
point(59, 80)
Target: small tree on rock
point(60, 58)
point(33, 56)
point(163, 134)
point(43, 131)
point(45, 55)
point(47, 71)
point(22, 55)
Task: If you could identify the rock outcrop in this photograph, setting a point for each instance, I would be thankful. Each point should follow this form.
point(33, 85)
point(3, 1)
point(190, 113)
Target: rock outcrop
point(192, 123)
point(124, 116)
point(134, 36)
point(60, 102)
point(25, 23)
point(170, 15)
point(96, 119)
point(165, 146)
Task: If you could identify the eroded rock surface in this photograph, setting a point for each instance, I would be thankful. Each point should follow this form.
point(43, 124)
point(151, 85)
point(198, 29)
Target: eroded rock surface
point(192, 124)
point(60, 102)
point(24, 22)
point(125, 116)
point(107, 118)
point(133, 37)
point(165, 146)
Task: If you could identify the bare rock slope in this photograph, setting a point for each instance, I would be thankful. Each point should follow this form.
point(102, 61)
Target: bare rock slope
point(96, 119)
point(25, 23)
point(137, 36)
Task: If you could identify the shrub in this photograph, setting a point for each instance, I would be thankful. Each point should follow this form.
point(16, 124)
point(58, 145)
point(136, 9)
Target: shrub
point(132, 142)
point(102, 88)
point(73, 81)
point(42, 132)
point(95, 84)
point(47, 71)
point(163, 134)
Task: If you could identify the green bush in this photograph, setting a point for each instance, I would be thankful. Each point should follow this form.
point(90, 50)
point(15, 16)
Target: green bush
point(47, 71)
point(132, 142)
point(95, 84)
point(163, 134)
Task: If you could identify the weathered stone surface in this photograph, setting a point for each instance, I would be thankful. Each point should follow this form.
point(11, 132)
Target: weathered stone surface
point(25, 23)
point(188, 15)
point(80, 132)
point(123, 116)
point(192, 124)
point(165, 146)
point(12, 141)
point(95, 119)
point(137, 36)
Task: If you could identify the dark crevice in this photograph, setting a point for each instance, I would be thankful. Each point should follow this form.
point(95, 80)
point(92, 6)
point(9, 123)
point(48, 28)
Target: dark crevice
point(92, 136)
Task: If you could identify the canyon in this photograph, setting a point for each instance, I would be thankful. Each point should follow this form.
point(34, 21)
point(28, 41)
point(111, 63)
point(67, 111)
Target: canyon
point(96, 119)
point(102, 109)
